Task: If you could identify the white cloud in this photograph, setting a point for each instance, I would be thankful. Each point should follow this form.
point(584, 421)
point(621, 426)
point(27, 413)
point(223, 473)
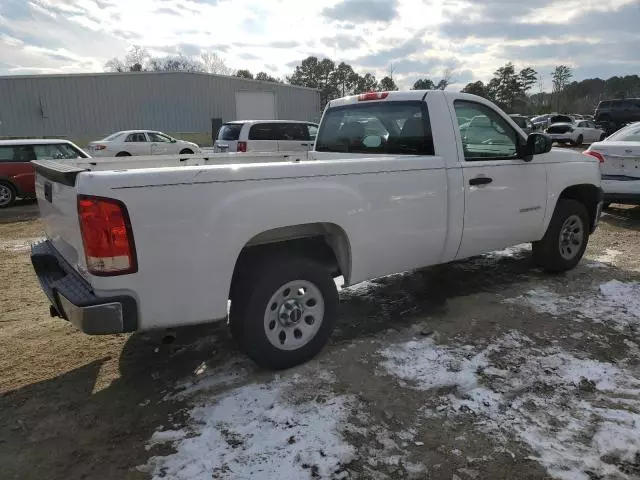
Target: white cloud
point(81, 35)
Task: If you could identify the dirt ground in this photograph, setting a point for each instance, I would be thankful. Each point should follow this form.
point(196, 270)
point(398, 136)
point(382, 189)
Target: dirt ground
point(486, 368)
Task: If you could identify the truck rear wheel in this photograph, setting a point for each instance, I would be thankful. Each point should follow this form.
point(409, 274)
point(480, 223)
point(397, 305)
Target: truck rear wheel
point(565, 241)
point(284, 311)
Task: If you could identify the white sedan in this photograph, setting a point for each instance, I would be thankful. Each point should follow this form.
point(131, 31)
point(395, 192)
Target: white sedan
point(576, 133)
point(619, 157)
point(140, 142)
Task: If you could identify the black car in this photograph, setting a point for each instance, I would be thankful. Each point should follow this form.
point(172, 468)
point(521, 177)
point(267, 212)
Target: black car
point(618, 112)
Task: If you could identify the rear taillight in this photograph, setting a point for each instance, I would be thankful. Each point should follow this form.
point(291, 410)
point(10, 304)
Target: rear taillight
point(594, 154)
point(372, 96)
point(99, 147)
point(107, 237)
point(242, 147)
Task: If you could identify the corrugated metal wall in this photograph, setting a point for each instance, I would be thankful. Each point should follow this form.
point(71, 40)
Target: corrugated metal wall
point(94, 105)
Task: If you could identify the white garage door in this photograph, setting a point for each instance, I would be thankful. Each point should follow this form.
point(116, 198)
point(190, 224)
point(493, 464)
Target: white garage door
point(255, 106)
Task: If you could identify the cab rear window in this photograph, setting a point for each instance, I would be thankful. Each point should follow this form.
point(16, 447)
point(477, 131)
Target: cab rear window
point(377, 128)
point(230, 132)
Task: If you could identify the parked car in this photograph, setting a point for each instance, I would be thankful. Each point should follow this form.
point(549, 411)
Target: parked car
point(266, 136)
point(619, 157)
point(618, 112)
point(122, 255)
point(576, 133)
point(140, 142)
point(524, 123)
point(17, 173)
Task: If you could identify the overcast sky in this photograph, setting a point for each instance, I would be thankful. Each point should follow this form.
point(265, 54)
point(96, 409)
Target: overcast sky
point(419, 37)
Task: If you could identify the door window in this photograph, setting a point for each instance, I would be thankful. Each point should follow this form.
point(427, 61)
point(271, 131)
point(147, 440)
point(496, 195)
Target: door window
point(293, 132)
point(487, 136)
point(313, 131)
point(6, 154)
point(136, 137)
point(264, 131)
point(158, 137)
point(56, 152)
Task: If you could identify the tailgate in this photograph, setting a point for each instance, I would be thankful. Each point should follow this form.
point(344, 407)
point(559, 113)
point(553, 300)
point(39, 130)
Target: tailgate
point(57, 201)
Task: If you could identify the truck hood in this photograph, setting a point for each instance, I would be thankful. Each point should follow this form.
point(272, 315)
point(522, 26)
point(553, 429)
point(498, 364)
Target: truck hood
point(566, 155)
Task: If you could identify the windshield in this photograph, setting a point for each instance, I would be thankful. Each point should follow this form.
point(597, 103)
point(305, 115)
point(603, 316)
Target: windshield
point(381, 127)
point(229, 131)
point(561, 119)
point(630, 133)
point(113, 136)
point(520, 121)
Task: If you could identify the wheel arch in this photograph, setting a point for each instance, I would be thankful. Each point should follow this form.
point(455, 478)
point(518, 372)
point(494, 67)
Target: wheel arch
point(587, 194)
point(11, 183)
point(324, 242)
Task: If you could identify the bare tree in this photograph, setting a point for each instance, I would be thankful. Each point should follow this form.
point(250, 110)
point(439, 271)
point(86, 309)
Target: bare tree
point(115, 65)
point(447, 75)
point(137, 58)
point(214, 63)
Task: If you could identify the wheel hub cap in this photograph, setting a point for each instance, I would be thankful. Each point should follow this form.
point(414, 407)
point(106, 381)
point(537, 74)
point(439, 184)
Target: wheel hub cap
point(571, 237)
point(294, 315)
point(290, 313)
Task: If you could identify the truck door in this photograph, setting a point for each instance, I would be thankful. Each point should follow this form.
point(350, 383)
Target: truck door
point(505, 197)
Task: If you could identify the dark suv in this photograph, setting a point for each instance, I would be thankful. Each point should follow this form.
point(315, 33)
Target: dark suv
point(618, 112)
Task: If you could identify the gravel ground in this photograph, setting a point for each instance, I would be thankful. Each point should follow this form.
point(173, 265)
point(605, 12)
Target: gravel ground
point(486, 368)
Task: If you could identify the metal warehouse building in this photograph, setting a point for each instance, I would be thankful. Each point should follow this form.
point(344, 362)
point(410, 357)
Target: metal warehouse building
point(86, 107)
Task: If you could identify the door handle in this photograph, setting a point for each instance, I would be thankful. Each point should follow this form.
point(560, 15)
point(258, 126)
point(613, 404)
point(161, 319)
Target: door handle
point(480, 181)
point(304, 144)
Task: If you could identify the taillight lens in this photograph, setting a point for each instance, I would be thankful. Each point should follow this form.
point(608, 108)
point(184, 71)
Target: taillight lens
point(594, 154)
point(372, 96)
point(99, 147)
point(107, 237)
point(242, 147)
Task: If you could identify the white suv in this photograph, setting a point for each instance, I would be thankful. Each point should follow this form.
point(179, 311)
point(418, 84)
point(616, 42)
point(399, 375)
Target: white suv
point(266, 136)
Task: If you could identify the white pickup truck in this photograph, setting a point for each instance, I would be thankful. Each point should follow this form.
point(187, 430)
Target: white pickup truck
point(392, 185)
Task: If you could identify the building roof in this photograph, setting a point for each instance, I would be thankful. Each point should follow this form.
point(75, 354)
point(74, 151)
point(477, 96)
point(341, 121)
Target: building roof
point(107, 74)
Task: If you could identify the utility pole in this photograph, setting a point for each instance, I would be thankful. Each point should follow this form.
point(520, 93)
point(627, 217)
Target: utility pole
point(391, 71)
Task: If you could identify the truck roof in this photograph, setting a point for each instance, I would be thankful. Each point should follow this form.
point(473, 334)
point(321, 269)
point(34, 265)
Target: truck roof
point(32, 141)
point(410, 95)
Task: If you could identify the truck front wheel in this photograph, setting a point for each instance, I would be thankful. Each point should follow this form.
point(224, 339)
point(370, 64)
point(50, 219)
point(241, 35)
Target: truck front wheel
point(284, 311)
point(565, 241)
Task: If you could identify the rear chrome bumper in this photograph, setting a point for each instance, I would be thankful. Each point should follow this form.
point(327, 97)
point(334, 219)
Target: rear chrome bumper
point(73, 299)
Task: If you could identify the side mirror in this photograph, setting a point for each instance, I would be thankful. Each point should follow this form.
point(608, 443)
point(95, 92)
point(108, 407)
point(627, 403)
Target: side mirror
point(537, 144)
point(173, 140)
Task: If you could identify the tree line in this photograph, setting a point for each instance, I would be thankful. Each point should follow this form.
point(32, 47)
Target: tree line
point(512, 89)
point(334, 80)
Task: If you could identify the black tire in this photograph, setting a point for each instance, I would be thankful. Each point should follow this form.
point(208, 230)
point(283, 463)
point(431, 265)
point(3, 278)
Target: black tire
point(8, 194)
point(547, 252)
point(579, 141)
point(186, 151)
point(251, 300)
point(123, 154)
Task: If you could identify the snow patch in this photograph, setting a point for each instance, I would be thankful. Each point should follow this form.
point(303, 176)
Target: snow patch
point(489, 259)
point(614, 302)
point(580, 417)
point(268, 431)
